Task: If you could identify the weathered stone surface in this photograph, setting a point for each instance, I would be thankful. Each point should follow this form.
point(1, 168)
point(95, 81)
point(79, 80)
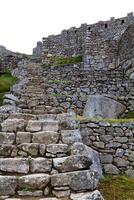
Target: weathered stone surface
point(50, 125)
point(8, 185)
point(7, 138)
point(16, 165)
point(23, 137)
point(131, 157)
point(57, 148)
point(120, 162)
point(106, 158)
point(6, 149)
point(34, 126)
point(64, 193)
point(40, 165)
point(77, 181)
point(99, 145)
point(111, 169)
point(72, 163)
point(30, 148)
point(71, 136)
point(130, 173)
point(13, 125)
point(101, 106)
point(81, 149)
point(11, 97)
point(34, 181)
point(95, 195)
point(45, 137)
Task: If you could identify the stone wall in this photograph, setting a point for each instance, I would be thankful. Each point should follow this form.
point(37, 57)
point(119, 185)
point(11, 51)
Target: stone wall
point(97, 43)
point(69, 86)
point(115, 142)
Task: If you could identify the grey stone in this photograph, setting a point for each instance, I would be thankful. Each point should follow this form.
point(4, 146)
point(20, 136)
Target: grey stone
point(111, 169)
point(23, 137)
point(95, 195)
point(7, 138)
point(99, 144)
point(40, 165)
point(13, 125)
point(57, 148)
point(101, 106)
point(11, 97)
point(106, 158)
point(120, 152)
point(81, 149)
point(34, 181)
point(72, 163)
point(8, 185)
point(50, 125)
point(60, 194)
point(130, 173)
point(33, 126)
point(120, 162)
point(30, 148)
point(131, 157)
point(77, 181)
point(16, 165)
point(71, 136)
point(45, 137)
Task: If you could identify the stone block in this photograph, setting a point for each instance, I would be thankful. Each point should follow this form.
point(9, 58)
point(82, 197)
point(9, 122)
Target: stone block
point(71, 136)
point(23, 137)
point(7, 138)
point(77, 181)
point(34, 181)
point(40, 165)
point(8, 185)
point(95, 195)
point(50, 125)
point(111, 169)
point(34, 126)
point(46, 137)
point(30, 148)
point(14, 165)
point(57, 148)
point(13, 125)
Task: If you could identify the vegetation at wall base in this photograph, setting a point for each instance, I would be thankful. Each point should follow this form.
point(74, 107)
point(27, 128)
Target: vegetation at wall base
point(119, 187)
point(61, 61)
point(6, 81)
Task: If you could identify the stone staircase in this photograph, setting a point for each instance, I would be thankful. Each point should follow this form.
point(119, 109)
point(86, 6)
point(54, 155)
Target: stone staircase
point(42, 156)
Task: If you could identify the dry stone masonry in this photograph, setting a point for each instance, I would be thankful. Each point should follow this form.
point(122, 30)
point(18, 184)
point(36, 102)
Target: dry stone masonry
point(45, 153)
point(42, 155)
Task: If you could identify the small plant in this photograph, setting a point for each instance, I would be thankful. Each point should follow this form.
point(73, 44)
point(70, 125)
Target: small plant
point(26, 188)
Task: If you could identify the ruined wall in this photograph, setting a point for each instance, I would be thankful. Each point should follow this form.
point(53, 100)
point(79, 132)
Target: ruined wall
point(115, 142)
point(98, 43)
point(101, 43)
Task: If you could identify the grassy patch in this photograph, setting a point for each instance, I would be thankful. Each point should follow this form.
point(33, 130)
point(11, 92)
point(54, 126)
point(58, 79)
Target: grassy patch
point(61, 61)
point(117, 188)
point(111, 121)
point(129, 115)
point(6, 81)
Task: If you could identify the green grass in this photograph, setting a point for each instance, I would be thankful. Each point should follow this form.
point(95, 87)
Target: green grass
point(61, 61)
point(118, 187)
point(111, 121)
point(6, 81)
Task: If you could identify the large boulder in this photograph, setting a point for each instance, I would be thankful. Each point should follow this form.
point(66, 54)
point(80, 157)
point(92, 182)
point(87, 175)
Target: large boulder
point(80, 149)
point(104, 107)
